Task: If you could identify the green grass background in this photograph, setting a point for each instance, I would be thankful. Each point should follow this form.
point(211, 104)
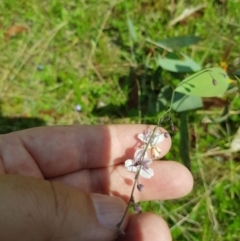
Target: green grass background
point(81, 52)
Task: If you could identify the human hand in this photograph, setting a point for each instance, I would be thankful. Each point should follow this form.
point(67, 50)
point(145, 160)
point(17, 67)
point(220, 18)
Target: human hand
point(53, 173)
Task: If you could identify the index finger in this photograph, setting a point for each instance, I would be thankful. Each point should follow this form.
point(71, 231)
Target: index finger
point(61, 150)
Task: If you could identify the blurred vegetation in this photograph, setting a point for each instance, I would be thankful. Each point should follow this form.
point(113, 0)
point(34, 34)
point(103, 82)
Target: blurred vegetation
point(104, 58)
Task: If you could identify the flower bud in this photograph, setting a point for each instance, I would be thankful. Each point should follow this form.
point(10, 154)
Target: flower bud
point(137, 208)
point(140, 187)
point(167, 118)
point(166, 135)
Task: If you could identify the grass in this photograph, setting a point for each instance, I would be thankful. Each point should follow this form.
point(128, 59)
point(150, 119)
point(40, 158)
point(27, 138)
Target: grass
point(65, 53)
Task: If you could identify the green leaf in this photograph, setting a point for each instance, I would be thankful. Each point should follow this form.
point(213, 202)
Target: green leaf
point(185, 64)
point(180, 42)
point(206, 83)
point(182, 102)
point(131, 30)
point(159, 45)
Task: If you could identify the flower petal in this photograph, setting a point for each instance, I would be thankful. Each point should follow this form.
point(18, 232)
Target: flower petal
point(138, 154)
point(128, 163)
point(142, 138)
point(146, 161)
point(132, 169)
point(147, 173)
point(157, 138)
point(156, 151)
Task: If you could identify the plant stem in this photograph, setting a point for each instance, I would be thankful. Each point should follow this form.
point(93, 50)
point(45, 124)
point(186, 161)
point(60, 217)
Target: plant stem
point(136, 180)
point(131, 199)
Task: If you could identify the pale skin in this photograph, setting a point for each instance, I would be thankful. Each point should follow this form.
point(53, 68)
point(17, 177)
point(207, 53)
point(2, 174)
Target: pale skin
point(48, 175)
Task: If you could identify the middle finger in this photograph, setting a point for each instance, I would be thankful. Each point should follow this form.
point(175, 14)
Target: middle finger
point(171, 180)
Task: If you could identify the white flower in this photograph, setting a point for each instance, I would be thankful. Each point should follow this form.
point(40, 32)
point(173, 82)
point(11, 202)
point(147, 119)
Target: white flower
point(137, 163)
point(129, 164)
point(155, 139)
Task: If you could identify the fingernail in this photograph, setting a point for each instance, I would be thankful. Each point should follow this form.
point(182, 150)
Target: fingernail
point(109, 209)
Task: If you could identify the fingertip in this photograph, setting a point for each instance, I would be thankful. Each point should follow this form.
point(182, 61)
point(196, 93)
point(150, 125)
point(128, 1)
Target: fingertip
point(147, 226)
point(171, 180)
point(183, 184)
point(189, 181)
point(167, 143)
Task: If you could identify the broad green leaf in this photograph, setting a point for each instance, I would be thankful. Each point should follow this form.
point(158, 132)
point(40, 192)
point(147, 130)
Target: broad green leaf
point(131, 30)
point(182, 102)
point(179, 42)
point(206, 83)
point(183, 65)
point(162, 46)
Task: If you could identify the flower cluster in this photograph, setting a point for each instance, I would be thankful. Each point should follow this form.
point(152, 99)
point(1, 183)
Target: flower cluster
point(141, 160)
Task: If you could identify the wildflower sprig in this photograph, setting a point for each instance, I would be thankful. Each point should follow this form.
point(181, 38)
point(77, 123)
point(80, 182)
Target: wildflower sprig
point(139, 165)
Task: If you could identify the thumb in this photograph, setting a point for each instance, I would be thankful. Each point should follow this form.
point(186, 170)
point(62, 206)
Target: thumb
point(33, 209)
